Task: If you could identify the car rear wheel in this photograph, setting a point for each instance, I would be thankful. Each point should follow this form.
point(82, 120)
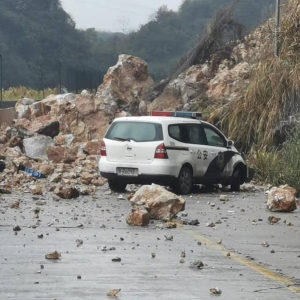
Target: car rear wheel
point(116, 185)
point(184, 182)
point(236, 180)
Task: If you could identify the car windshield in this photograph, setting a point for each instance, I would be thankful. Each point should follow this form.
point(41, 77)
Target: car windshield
point(136, 131)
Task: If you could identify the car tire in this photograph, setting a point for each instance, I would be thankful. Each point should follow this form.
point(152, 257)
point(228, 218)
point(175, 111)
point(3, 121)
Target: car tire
point(116, 185)
point(236, 180)
point(184, 182)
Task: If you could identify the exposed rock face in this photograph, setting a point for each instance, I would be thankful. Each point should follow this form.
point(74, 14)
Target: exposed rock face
point(36, 146)
point(282, 199)
point(58, 154)
point(138, 217)
point(160, 203)
point(125, 85)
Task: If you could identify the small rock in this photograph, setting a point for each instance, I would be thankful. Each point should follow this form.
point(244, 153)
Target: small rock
point(272, 251)
point(265, 244)
point(40, 236)
point(153, 255)
point(169, 238)
point(116, 259)
point(54, 255)
point(228, 254)
point(273, 220)
point(182, 261)
point(79, 242)
point(17, 228)
point(215, 291)
point(224, 198)
point(78, 276)
point(183, 254)
point(113, 293)
point(15, 205)
point(197, 264)
point(211, 224)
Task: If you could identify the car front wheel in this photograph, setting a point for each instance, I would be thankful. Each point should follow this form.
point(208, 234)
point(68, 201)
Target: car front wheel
point(116, 185)
point(236, 180)
point(184, 182)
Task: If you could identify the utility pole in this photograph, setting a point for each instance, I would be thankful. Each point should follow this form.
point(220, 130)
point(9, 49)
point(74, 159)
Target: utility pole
point(277, 27)
point(1, 77)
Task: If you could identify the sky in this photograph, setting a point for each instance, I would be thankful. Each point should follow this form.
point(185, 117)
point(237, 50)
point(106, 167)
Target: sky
point(114, 15)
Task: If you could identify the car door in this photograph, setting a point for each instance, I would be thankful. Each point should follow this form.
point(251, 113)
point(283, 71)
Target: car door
point(221, 162)
point(201, 157)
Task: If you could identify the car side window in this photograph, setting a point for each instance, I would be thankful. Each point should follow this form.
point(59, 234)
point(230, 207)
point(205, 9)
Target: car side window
point(188, 133)
point(214, 138)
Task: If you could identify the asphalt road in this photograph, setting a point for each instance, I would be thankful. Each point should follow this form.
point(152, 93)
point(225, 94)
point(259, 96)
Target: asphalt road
point(250, 272)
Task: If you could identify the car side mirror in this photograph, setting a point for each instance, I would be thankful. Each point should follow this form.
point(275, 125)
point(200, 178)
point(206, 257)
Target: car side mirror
point(230, 143)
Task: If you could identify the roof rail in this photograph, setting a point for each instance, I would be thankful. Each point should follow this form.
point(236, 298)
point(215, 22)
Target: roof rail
point(180, 114)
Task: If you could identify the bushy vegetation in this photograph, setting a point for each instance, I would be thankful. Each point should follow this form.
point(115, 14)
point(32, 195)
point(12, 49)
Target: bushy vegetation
point(39, 41)
point(279, 167)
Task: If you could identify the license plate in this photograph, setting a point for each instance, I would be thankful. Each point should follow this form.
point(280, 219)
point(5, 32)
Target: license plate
point(127, 172)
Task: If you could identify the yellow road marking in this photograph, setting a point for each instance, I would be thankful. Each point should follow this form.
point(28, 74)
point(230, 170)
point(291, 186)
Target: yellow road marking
point(290, 284)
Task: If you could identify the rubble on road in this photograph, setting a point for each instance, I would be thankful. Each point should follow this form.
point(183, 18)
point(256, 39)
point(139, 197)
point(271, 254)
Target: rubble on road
point(282, 199)
point(160, 203)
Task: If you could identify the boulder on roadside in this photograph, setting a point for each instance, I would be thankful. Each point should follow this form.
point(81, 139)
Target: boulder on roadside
point(138, 217)
point(282, 199)
point(160, 203)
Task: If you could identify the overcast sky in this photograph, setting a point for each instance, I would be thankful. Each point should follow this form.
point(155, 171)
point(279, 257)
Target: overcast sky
point(114, 15)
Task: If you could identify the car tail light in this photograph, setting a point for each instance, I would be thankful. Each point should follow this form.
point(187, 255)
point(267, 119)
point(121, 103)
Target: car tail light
point(161, 152)
point(103, 149)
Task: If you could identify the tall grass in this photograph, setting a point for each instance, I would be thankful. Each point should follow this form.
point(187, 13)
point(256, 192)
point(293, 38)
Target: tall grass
point(16, 93)
point(274, 91)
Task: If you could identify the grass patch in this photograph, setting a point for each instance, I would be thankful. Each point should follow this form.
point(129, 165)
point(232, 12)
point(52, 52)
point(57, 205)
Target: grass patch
point(16, 93)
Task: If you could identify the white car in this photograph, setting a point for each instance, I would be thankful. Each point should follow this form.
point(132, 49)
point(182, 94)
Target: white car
point(170, 150)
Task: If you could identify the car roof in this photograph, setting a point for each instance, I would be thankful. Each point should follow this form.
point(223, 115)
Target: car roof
point(161, 120)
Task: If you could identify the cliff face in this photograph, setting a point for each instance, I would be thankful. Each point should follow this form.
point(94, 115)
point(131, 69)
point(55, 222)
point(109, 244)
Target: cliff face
point(208, 86)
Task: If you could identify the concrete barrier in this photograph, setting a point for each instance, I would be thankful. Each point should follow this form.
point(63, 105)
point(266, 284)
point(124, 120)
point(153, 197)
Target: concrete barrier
point(7, 115)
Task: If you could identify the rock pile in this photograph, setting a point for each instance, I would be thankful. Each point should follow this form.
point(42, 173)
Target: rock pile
point(60, 136)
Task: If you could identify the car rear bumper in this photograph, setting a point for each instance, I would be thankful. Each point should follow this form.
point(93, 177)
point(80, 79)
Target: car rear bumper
point(158, 167)
point(141, 179)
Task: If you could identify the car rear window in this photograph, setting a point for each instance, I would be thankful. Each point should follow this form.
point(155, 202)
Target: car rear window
point(136, 131)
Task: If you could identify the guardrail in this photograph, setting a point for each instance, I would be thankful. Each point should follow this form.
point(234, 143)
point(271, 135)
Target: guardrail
point(7, 104)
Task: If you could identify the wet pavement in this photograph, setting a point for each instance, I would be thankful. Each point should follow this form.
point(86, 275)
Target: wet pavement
point(252, 271)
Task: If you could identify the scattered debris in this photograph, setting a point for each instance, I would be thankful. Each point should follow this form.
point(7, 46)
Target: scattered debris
point(113, 293)
point(273, 220)
point(153, 255)
point(183, 254)
point(197, 264)
point(182, 261)
point(265, 244)
point(40, 236)
point(66, 192)
point(211, 224)
point(54, 255)
point(169, 238)
point(79, 242)
point(215, 291)
point(15, 205)
point(224, 198)
point(17, 228)
point(78, 276)
point(116, 259)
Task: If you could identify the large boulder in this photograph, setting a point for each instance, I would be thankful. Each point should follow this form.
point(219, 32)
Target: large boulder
point(58, 154)
point(160, 203)
point(36, 146)
point(282, 199)
point(124, 85)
